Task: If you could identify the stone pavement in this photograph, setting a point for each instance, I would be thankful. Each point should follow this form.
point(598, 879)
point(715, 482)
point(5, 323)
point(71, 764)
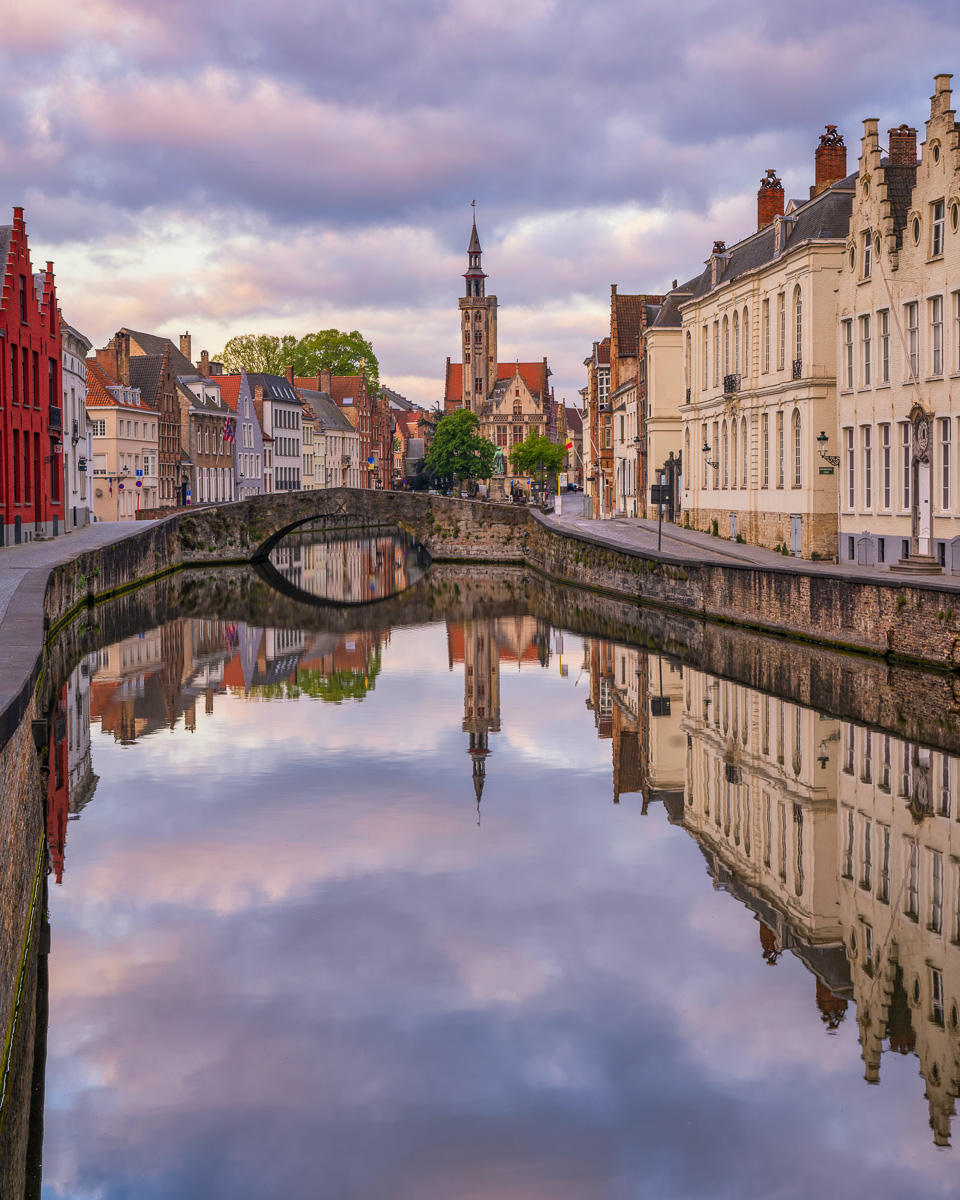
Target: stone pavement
point(632, 533)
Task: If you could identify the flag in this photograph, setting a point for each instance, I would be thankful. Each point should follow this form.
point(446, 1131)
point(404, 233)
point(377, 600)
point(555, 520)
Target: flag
point(228, 431)
point(569, 446)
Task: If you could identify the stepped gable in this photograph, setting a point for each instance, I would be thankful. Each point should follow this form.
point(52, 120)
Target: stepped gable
point(532, 374)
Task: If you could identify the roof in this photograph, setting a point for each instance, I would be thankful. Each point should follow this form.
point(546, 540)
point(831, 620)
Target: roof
point(532, 374)
point(6, 232)
point(629, 312)
point(900, 181)
point(325, 410)
point(81, 338)
point(99, 384)
point(229, 386)
point(826, 216)
point(669, 315)
point(200, 403)
point(275, 387)
point(395, 400)
point(151, 343)
point(145, 370)
point(573, 419)
point(603, 352)
point(474, 247)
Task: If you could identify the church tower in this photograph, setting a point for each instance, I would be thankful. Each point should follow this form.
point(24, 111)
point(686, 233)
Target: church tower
point(481, 694)
point(478, 318)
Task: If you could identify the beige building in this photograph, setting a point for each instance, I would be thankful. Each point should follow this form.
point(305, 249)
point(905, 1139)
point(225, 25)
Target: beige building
point(759, 344)
point(125, 448)
point(661, 428)
point(898, 342)
point(336, 442)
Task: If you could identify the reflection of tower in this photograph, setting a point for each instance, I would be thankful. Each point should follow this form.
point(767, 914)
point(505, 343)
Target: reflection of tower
point(481, 694)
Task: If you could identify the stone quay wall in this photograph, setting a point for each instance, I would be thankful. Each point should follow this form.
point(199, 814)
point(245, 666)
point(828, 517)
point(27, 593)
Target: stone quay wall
point(904, 620)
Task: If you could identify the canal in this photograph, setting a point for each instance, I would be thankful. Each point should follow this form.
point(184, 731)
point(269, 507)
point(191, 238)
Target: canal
point(372, 879)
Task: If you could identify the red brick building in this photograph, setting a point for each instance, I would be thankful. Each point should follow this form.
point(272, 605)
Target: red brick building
point(369, 413)
point(31, 420)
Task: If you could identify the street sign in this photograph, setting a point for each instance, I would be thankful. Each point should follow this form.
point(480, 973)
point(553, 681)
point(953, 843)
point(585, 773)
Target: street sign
point(562, 480)
point(660, 493)
point(139, 483)
point(826, 470)
point(139, 471)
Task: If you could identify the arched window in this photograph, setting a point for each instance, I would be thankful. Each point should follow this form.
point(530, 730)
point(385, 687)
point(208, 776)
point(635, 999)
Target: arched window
point(798, 315)
point(796, 448)
point(726, 456)
point(745, 335)
point(687, 462)
point(726, 346)
point(736, 343)
point(733, 437)
point(743, 451)
point(703, 442)
point(687, 366)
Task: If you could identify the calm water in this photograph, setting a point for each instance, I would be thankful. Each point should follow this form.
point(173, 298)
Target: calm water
point(484, 909)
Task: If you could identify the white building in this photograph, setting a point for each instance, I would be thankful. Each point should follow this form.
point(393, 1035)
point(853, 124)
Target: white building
point(77, 434)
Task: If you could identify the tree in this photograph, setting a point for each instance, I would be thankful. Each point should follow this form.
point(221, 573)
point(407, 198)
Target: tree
point(327, 350)
point(537, 454)
point(458, 451)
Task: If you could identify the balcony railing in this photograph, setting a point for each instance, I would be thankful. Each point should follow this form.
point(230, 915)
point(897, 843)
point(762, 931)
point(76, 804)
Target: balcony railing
point(731, 384)
point(797, 368)
point(55, 423)
point(688, 395)
point(344, 460)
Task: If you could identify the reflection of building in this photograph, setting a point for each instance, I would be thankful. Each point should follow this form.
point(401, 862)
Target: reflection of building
point(351, 570)
point(482, 646)
point(58, 786)
point(899, 868)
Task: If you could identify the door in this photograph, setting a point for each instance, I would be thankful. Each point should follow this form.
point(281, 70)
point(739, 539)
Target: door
point(921, 511)
point(795, 529)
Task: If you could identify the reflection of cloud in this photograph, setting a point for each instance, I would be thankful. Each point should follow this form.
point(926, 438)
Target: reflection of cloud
point(292, 969)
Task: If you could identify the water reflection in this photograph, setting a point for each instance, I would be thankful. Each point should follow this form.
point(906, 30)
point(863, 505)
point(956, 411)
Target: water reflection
point(324, 561)
point(283, 951)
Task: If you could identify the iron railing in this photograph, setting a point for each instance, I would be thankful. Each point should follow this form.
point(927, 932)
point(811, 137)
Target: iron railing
point(731, 384)
point(797, 368)
point(55, 423)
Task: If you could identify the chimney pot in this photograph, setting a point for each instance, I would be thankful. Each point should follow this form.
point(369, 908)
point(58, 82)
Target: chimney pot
point(203, 366)
point(185, 346)
point(830, 160)
point(769, 199)
point(903, 146)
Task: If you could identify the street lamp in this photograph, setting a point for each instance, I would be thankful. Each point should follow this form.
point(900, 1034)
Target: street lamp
point(822, 757)
point(706, 451)
point(822, 440)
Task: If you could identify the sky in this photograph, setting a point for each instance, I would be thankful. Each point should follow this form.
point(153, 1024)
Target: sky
point(227, 166)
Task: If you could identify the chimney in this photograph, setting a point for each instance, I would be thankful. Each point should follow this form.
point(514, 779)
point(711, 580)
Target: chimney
point(122, 342)
point(325, 381)
point(185, 346)
point(903, 146)
point(288, 371)
point(718, 262)
point(769, 199)
point(830, 160)
point(203, 366)
point(106, 359)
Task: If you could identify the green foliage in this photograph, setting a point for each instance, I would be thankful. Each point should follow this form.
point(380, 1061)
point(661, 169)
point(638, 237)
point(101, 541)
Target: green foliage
point(715, 527)
point(536, 453)
point(457, 451)
point(327, 350)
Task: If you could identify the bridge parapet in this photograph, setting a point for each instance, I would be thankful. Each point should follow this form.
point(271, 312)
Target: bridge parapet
point(448, 528)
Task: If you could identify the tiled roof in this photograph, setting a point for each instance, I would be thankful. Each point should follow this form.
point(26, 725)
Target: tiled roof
point(275, 387)
point(824, 216)
point(98, 385)
point(603, 353)
point(345, 387)
point(629, 315)
point(900, 181)
point(532, 375)
point(573, 419)
point(229, 386)
point(151, 343)
point(669, 314)
point(145, 375)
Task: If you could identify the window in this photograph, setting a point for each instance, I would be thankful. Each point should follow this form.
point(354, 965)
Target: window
point(867, 257)
point(851, 468)
point(885, 464)
point(736, 343)
point(848, 843)
point(937, 229)
point(780, 449)
point(765, 422)
point(782, 314)
point(726, 476)
point(743, 451)
point(865, 349)
point(705, 372)
point(796, 448)
point(716, 444)
point(704, 435)
point(912, 893)
point(883, 875)
point(23, 297)
point(912, 312)
point(936, 334)
point(884, 318)
point(906, 454)
point(865, 441)
point(735, 455)
point(945, 464)
point(745, 335)
point(866, 854)
point(945, 803)
point(716, 353)
point(688, 363)
point(726, 346)
point(766, 335)
point(798, 322)
point(848, 354)
point(936, 891)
